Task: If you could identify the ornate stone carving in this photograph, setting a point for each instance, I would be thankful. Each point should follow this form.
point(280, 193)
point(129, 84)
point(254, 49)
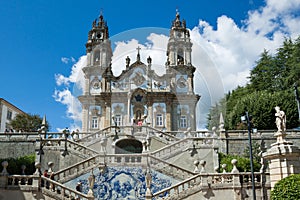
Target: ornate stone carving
point(96, 83)
point(138, 79)
point(181, 82)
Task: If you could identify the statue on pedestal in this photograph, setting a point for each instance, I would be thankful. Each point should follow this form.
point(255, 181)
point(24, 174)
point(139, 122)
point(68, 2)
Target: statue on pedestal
point(280, 119)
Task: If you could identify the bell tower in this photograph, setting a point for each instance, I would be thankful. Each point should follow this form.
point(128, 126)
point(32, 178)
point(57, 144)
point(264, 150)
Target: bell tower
point(179, 66)
point(179, 45)
point(98, 47)
point(98, 64)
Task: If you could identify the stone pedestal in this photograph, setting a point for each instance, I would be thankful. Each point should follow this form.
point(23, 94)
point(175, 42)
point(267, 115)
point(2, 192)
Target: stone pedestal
point(283, 158)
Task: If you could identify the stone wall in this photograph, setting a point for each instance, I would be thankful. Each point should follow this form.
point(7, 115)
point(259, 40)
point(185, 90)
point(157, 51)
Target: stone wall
point(235, 142)
point(16, 149)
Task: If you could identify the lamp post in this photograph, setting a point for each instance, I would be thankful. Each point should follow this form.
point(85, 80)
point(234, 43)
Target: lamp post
point(297, 99)
point(42, 130)
point(66, 134)
point(246, 119)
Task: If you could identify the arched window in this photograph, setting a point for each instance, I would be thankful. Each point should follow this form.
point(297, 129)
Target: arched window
point(97, 57)
point(180, 56)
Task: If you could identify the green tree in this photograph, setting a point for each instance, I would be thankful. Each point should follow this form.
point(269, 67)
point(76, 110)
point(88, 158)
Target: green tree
point(243, 163)
point(262, 76)
point(287, 188)
point(27, 123)
point(271, 84)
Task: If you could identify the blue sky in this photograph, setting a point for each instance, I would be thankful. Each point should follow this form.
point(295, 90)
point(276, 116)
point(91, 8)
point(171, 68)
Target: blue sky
point(35, 36)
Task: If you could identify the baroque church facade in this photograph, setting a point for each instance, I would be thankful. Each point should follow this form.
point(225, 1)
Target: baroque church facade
point(139, 96)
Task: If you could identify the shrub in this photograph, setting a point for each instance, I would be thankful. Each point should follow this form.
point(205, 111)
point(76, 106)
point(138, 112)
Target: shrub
point(14, 164)
point(287, 188)
point(243, 164)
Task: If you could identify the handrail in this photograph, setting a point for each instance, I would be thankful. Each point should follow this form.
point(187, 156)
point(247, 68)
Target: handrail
point(166, 133)
point(76, 170)
point(22, 182)
point(55, 189)
point(171, 149)
point(48, 186)
point(70, 144)
point(212, 179)
point(93, 135)
point(169, 168)
point(82, 146)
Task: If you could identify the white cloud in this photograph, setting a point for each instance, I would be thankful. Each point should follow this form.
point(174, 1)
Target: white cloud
point(65, 60)
point(234, 49)
point(73, 105)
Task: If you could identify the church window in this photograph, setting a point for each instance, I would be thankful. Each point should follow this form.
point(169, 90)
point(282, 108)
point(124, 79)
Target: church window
point(9, 115)
point(159, 120)
point(180, 56)
point(94, 122)
point(97, 56)
point(183, 121)
point(118, 120)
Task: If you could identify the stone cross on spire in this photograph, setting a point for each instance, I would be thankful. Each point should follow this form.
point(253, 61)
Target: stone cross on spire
point(138, 57)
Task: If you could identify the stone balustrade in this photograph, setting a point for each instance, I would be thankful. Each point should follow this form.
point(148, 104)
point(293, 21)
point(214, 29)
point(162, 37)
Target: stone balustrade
point(172, 149)
point(95, 136)
point(22, 182)
point(81, 148)
point(18, 137)
point(59, 191)
point(60, 143)
point(77, 169)
point(169, 169)
point(126, 130)
point(125, 159)
point(203, 181)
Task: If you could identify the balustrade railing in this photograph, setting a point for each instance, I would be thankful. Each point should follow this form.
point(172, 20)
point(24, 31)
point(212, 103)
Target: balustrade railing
point(59, 191)
point(172, 149)
point(81, 148)
point(169, 169)
point(18, 136)
point(67, 144)
point(125, 159)
point(126, 130)
point(95, 136)
point(22, 182)
point(77, 169)
point(200, 181)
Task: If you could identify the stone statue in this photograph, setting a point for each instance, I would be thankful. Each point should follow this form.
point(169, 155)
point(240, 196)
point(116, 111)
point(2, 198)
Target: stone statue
point(280, 119)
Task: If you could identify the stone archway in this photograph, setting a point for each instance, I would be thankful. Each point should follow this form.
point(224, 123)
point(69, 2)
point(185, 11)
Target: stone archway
point(128, 146)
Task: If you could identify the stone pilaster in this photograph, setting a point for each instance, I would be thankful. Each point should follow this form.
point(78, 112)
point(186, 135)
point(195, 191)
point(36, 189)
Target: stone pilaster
point(87, 86)
point(85, 118)
point(168, 115)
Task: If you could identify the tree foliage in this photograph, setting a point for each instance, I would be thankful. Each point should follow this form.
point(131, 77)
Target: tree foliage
point(15, 164)
point(243, 163)
point(287, 188)
point(270, 84)
point(27, 123)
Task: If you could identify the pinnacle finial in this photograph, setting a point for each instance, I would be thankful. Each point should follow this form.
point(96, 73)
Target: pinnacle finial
point(138, 57)
point(177, 12)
